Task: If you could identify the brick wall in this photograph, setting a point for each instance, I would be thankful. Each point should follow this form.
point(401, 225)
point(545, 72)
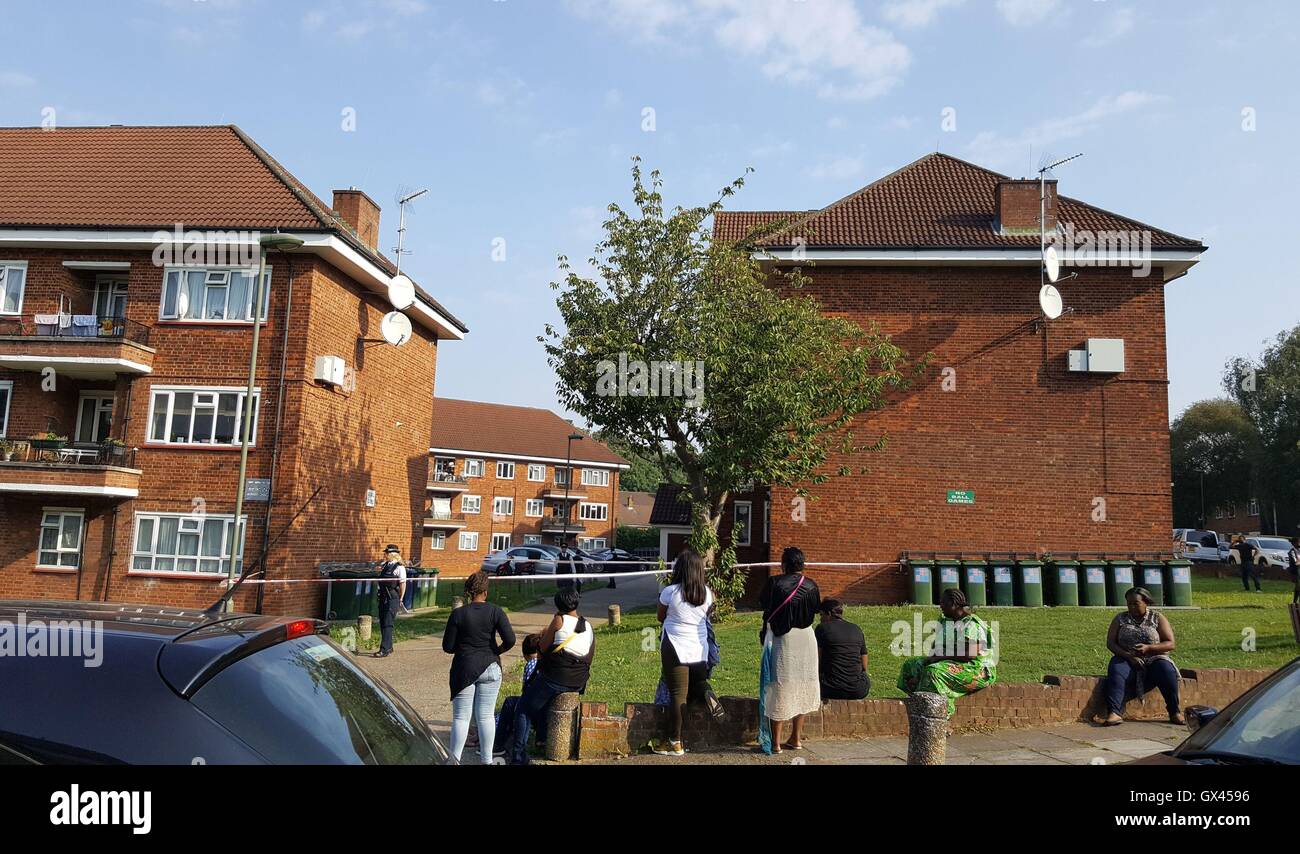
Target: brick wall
point(1059, 699)
point(1036, 444)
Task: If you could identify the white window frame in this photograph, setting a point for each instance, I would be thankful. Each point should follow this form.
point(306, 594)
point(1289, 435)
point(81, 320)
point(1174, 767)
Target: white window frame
point(590, 511)
point(467, 536)
point(170, 392)
point(59, 550)
point(99, 398)
point(749, 522)
point(505, 465)
point(503, 505)
point(476, 501)
point(438, 540)
point(1252, 508)
point(213, 277)
point(538, 504)
point(437, 461)
point(499, 542)
point(188, 525)
point(591, 544)
point(560, 474)
point(532, 539)
point(22, 289)
point(6, 386)
point(472, 463)
point(537, 472)
point(595, 477)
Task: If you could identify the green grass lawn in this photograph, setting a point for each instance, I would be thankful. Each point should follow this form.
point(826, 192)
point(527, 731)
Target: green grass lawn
point(1033, 642)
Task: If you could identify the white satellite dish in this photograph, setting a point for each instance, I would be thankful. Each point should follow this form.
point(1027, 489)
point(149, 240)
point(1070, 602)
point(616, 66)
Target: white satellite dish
point(401, 292)
point(396, 328)
point(1051, 264)
point(1049, 299)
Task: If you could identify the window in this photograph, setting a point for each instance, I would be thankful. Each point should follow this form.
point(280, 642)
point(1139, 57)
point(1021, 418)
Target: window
point(60, 543)
point(500, 542)
point(740, 530)
point(6, 393)
point(593, 512)
point(473, 468)
point(438, 540)
point(110, 296)
point(199, 416)
point(175, 542)
point(444, 468)
point(1218, 512)
point(505, 471)
point(13, 274)
point(534, 507)
point(591, 544)
point(470, 504)
point(198, 295)
point(536, 472)
point(503, 507)
point(595, 477)
point(561, 476)
point(1252, 509)
point(468, 541)
point(95, 416)
point(532, 539)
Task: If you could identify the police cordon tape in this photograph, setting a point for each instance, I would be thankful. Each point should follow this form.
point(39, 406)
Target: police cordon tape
point(546, 576)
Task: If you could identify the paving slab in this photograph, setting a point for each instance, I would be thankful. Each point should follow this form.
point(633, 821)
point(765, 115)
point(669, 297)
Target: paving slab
point(1135, 748)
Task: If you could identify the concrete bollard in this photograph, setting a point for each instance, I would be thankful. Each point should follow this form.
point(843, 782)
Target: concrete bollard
point(615, 615)
point(363, 626)
point(457, 601)
point(927, 727)
point(562, 727)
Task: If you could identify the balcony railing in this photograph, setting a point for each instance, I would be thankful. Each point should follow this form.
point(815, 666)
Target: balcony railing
point(93, 326)
point(61, 453)
point(445, 477)
point(556, 522)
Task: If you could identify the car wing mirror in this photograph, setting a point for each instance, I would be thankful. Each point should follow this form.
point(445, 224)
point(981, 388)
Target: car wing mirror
point(1199, 716)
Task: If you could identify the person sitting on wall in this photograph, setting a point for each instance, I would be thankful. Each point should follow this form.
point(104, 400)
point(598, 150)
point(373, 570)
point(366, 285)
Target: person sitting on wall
point(841, 655)
point(1140, 640)
point(568, 645)
point(963, 661)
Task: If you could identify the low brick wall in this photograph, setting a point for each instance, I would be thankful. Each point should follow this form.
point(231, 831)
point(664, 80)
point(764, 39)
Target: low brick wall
point(1058, 699)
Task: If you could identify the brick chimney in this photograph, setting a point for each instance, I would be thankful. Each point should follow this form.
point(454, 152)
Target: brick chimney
point(1015, 205)
point(360, 213)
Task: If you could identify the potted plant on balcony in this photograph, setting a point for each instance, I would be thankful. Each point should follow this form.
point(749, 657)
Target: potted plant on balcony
point(114, 449)
point(7, 450)
point(47, 441)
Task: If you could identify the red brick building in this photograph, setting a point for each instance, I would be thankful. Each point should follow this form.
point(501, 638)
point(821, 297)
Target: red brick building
point(137, 360)
point(502, 476)
point(1025, 434)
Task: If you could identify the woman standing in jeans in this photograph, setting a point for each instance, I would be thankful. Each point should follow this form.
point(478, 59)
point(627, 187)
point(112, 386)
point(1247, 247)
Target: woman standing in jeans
point(684, 648)
point(471, 638)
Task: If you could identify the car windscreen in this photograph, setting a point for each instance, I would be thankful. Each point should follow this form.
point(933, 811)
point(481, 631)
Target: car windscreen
point(305, 701)
point(1267, 727)
point(1273, 544)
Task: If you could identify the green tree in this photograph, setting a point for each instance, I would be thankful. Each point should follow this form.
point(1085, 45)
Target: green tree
point(1268, 391)
point(781, 381)
point(1212, 446)
point(648, 469)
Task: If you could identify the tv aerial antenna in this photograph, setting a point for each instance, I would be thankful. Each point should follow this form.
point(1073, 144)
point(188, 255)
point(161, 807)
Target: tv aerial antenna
point(402, 202)
point(1049, 267)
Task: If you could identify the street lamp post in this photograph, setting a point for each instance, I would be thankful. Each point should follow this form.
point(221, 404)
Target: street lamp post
point(267, 242)
point(568, 479)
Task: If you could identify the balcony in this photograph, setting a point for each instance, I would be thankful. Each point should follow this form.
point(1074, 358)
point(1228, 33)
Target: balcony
point(91, 471)
point(83, 346)
point(557, 524)
point(444, 519)
point(443, 482)
point(553, 494)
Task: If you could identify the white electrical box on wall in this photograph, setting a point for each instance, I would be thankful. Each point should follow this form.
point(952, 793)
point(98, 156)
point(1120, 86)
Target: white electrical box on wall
point(1099, 356)
point(330, 369)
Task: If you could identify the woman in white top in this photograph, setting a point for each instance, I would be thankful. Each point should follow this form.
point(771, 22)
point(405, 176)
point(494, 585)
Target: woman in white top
point(684, 651)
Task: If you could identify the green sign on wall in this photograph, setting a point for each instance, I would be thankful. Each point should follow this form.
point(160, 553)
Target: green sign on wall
point(961, 496)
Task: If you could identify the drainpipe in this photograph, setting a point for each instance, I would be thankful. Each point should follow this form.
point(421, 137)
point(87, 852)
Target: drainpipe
point(112, 523)
point(275, 446)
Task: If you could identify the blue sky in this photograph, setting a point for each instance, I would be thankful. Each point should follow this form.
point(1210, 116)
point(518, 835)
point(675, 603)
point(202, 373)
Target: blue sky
point(521, 116)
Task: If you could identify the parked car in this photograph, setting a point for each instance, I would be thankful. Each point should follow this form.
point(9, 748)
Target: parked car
point(1199, 545)
point(610, 560)
point(1260, 727)
point(1269, 551)
point(582, 560)
point(520, 560)
point(177, 686)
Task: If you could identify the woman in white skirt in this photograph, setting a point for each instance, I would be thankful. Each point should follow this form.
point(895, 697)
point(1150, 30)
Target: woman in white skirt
point(788, 682)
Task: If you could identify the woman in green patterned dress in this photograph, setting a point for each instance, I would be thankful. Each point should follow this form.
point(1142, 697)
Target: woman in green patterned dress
point(962, 664)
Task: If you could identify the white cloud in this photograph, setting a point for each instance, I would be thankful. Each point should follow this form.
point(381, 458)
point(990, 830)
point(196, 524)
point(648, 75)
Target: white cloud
point(1026, 13)
point(989, 148)
point(913, 14)
point(16, 80)
point(825, 44)
point(902, 122)
point(773, 149)
point(1116, 25)
point(837, 169)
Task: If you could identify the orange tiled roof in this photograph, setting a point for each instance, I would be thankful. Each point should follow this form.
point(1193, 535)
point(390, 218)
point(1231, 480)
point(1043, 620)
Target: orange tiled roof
point(525, 431)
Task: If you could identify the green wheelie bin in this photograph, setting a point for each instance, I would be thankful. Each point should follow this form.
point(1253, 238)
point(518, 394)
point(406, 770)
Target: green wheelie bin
point(1001, 587)
point(921, 571)
point(1092, 584)
point(1028, 581)
point(1119, 578)
point(1063, 582)
point(1178, 582)
point(947, 573)
point(1152, 573)
point(351, 597)
point(974, 581)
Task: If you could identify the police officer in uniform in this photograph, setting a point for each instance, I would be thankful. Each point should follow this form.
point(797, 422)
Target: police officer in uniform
point(392, 587)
